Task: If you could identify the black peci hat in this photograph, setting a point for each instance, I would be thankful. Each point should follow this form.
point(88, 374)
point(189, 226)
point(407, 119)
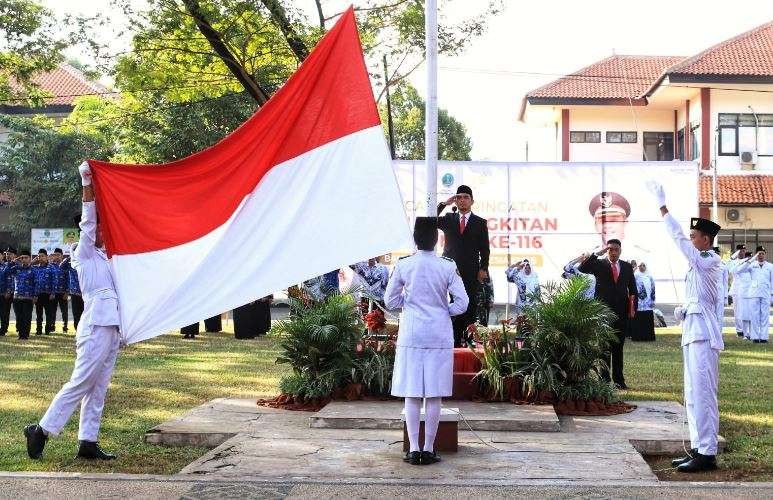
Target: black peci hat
point(425, 232)
point(464, 189)
point(705, 226)
point(761, 249)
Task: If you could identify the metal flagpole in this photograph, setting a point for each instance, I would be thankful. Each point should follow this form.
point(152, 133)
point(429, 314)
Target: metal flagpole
point(430, 112)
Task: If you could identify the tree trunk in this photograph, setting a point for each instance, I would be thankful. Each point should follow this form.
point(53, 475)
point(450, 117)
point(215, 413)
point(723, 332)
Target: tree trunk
point(216, 41)
point(294, 40)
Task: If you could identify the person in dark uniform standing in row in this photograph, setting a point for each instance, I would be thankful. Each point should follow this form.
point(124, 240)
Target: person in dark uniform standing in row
point(24, 293)
point(213, 324)
point(6, 289)
point(44, 283)
point(253, 319)
point(467, 244)
point(74, 291)
point(190, 331)
point(59, 288)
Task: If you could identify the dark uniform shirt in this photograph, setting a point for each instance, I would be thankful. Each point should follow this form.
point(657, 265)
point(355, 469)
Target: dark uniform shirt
point(73, 287)
point(6, 277)
point(44, 278)
point(59, 277)
point(24, 282)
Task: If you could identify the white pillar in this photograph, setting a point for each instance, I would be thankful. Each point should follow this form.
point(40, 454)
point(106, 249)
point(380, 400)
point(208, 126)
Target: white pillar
point(431, 115)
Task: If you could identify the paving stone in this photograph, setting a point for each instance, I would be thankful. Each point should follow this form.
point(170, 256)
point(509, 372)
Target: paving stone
point(370, 461)
point(478, 416)
point(653, 428)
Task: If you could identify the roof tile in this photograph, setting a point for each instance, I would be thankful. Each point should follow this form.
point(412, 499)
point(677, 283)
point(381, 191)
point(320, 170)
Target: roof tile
point(750, 53)
point(753, 189)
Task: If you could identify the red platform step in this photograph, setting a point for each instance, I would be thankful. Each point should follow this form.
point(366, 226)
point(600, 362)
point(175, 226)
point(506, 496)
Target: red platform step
point(466, 365)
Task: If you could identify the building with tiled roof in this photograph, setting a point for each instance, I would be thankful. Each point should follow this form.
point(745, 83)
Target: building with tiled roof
point(618, 79)
point(714, 108)
point(63, 85)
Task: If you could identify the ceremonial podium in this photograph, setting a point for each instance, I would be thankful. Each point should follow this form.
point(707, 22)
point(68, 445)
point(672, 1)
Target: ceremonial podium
point(447, 438)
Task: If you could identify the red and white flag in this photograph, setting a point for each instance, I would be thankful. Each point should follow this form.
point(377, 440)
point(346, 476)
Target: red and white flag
point(303, 187)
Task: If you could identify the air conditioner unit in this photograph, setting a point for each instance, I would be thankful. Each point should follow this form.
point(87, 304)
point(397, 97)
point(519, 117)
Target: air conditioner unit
point(748, 159)
point(735, 215)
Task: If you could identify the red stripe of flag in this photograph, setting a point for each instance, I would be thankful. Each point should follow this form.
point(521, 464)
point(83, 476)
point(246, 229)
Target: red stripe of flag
point(144, 208)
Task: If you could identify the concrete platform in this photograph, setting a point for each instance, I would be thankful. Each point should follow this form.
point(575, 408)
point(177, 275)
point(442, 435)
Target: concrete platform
point(373, 456)
point(654, 428)
point(477, 416)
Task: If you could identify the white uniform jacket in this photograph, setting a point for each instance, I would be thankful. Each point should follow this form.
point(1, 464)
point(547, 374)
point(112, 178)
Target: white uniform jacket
point(761, 278)
point(701, 290)
point(100, 301)
point(420, 285)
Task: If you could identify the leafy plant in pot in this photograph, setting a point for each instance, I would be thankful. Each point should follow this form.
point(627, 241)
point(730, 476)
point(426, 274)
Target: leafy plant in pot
point(570, 334)
point(318, 342)
point(500, 358)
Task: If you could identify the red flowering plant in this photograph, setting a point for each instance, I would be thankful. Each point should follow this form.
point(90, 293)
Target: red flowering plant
point(500, 357)
point(375, 320)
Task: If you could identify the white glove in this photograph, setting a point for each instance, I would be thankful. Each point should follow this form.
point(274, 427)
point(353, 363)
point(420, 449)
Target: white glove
point(657, 191)
point(680, 313)
point(85, 170)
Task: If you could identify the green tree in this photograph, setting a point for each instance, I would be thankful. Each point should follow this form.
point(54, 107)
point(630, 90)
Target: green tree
point(38, 169)
point(408, 119)
point(32, 42)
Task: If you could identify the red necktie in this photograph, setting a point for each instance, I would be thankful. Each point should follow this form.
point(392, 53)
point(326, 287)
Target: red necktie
point(615, 272)
point(462, 225)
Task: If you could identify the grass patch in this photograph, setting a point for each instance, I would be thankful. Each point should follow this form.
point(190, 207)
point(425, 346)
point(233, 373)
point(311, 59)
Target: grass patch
point(166, 376)
point(654, 372)
point(153, 382)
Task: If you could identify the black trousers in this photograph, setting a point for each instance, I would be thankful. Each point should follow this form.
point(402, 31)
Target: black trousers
point(213, 324)
point(45, 306)
point(614, 357)
point(461, 322)
point(22, 309)
point(77, 309)
point(60, 300)
point(5, 312)
point(190, 330)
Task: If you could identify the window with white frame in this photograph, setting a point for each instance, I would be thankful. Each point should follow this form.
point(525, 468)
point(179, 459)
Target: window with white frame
point(740, 132)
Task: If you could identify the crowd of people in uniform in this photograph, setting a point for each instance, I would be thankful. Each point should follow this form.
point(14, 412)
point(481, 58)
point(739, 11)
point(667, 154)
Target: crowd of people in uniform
point(43, 284)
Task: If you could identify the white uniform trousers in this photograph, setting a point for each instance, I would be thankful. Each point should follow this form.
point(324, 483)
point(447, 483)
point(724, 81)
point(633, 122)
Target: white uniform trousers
point(759, 310)
point(701, 380)
point(737, 312)
point(96, 352)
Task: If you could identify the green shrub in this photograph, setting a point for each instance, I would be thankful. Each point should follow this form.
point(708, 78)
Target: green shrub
point(318, 342)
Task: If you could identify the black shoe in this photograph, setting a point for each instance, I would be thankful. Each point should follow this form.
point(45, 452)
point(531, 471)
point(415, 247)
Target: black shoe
point(757, 341)
point(699, 463)
point(763, 341)
point(36, 441)
point(679, 461)
point(429, 457)
point(621, 386)
point(38, 333)
point(90, 450)
point(413, 457)
point(740, 334)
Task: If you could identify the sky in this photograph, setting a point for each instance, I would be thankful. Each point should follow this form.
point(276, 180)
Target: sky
point(534, 42)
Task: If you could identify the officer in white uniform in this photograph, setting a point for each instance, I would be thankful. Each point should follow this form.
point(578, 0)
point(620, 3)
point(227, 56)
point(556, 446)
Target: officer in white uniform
point(758, 294)
point(738, 288)
point(701, 336)
point(96, 342)
point(424, 362)
point(722, 284)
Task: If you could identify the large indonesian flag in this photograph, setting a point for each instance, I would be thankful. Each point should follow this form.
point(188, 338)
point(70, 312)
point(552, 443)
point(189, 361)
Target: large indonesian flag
point(305, 186)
